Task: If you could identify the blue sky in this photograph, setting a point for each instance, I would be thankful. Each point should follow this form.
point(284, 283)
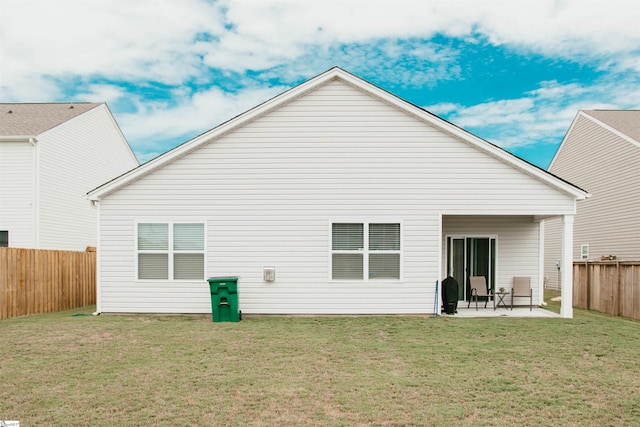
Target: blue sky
point(512, 72)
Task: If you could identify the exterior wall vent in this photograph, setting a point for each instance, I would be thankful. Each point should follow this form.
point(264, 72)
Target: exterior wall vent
point(269, 274)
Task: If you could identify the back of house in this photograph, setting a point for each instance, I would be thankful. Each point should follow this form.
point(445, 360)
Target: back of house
point(335, 197)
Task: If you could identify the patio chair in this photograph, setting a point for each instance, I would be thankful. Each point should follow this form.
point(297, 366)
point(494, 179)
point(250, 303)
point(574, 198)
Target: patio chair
point(522, 288)
point(479, 289)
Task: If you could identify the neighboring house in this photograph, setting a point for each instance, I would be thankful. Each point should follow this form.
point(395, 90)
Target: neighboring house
point(357, 201)
point(600, 152)
point(51, 155)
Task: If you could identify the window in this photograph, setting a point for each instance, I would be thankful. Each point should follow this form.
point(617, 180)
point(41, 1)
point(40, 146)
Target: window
point(384, 251)
point(171, 251)
point(584, 251)
point(4, 239)
point(360, 250)
point(347, 245)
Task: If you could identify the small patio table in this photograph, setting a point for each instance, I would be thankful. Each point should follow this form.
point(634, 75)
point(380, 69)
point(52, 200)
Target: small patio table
point(501, 296)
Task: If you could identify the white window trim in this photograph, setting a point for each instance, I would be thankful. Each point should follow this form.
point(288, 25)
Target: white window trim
point(170, 251)
point(365, 251)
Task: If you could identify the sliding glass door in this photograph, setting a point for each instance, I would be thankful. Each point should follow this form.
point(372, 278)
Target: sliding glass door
point(471, 256)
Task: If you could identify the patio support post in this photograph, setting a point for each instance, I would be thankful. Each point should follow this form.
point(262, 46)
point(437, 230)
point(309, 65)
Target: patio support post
point(96, 204)
point(541, 263)
point(566, 307)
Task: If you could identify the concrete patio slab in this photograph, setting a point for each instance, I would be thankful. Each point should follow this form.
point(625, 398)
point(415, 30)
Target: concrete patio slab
point(503, 312)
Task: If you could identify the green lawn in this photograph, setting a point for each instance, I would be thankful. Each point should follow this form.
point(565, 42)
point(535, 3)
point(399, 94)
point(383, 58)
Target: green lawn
point(60, 369)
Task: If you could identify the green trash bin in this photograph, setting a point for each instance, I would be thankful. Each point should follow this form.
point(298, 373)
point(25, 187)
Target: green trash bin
point(224, 299)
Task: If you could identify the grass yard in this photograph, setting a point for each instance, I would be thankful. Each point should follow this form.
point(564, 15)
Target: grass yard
point(61, 369)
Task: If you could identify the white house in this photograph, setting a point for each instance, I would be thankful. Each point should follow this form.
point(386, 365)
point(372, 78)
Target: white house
point(51, 155)
point(600, 152)
point(358, 201)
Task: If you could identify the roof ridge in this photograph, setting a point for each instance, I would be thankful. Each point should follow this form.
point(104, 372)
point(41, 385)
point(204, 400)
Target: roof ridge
point(21, 118)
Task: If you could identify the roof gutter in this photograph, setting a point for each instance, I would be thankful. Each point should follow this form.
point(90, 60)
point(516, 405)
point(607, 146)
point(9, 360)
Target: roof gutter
point(18, 138)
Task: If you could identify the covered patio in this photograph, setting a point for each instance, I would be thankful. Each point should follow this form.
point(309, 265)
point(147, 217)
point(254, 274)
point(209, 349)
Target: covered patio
point(499, 248)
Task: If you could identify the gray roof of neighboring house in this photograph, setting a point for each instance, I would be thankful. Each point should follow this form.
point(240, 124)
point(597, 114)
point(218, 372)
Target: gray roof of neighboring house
point(625, 121)
point(33, 119)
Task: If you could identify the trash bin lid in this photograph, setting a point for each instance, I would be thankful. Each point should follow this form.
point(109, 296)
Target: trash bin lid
point(223, 279)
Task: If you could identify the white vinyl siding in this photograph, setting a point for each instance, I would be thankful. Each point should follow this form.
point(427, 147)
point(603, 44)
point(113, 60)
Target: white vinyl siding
point(552, 252)
point(75, 157)
point(269, 189)
point(17, 193)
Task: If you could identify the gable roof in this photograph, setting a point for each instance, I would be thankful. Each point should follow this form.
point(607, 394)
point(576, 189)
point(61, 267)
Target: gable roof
point(362, 85)
point(33, 119)
point(624, 121)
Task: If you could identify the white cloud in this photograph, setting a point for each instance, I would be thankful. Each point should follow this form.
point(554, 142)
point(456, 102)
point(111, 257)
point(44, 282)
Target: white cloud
point(46, 46)
point(141, 39)
point(191, 115)
point(583, 28)
point(101, 93)
point(542, 116)
point(156, 39)
point(170, 42)
point(496, 112)
point(268, 33)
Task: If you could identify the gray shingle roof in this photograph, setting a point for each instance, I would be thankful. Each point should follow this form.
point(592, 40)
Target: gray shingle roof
point(33, 119)
point(625, 121)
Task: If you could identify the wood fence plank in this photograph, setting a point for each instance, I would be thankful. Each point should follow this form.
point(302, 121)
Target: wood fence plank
point(41, 281)
point(611, 287)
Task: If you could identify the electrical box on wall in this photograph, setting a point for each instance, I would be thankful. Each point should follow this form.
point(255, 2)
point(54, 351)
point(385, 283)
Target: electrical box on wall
point(269, 274)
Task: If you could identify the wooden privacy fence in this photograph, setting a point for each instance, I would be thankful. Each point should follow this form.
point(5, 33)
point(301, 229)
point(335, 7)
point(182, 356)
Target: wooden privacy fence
point(608, 286)
point(41, 281)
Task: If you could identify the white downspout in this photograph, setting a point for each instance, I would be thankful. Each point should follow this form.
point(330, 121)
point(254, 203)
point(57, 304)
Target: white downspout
point(541, 264)
point(96, 204)
point(566, 305)
point(36, 192)
point(438, 291)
